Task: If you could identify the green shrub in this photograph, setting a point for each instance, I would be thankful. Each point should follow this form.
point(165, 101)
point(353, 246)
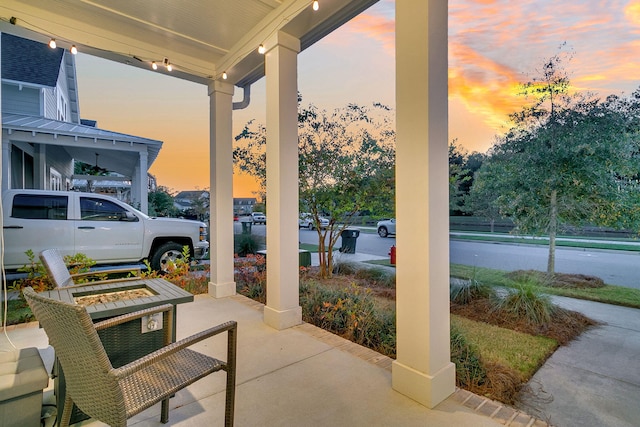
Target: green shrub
point(251, 277)
point(463, 291)
point(345, 268)
point(377, 277)
point(469, 369)
point(351, 313)
point(247, 244)
point(526, 301)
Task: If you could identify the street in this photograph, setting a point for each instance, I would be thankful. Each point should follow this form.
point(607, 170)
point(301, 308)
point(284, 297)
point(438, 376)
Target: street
point(614, 267)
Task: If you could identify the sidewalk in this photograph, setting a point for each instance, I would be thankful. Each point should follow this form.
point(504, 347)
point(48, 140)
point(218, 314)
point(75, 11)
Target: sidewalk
point(595, 380)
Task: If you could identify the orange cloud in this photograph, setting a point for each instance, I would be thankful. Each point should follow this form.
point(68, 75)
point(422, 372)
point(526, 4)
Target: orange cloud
point(484, 86)
point(377, 27)
point(632, 12)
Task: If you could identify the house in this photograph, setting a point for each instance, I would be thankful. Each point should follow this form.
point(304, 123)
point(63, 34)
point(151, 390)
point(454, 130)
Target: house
point(43, 134)
point(184, 201)
point(195, 42)
point(243, 205)
point(193, 204)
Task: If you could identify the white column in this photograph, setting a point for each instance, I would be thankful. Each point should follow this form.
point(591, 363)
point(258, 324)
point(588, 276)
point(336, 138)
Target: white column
point(281, 68)
point(6, 161)
point(41, 174)
point(142, 185)
point(423, 370)
point(4, 151)
point(222, 282)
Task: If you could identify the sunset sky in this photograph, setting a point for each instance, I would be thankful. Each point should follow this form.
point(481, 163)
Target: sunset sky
point(493, 46)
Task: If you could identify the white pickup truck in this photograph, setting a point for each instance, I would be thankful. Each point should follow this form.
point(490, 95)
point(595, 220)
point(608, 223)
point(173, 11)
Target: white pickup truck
point(101, 227)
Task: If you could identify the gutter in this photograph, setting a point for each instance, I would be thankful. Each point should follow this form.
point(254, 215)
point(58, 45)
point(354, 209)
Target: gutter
point(245, 100)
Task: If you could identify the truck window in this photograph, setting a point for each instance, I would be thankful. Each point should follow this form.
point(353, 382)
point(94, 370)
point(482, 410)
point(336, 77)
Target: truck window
point(100, 210)
point(35, 206)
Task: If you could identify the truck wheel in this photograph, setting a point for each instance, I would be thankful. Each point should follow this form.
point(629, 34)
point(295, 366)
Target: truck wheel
point(166, 255)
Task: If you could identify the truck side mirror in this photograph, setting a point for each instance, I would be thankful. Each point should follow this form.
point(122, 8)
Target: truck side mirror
point(129, 217)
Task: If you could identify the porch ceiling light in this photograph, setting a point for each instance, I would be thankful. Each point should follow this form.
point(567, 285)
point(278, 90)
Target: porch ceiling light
point(74, 50)
point(167, 64)
point(52, 43)
point(224, 75)
point(315, 5)
point(261, 49)
point(154, 65)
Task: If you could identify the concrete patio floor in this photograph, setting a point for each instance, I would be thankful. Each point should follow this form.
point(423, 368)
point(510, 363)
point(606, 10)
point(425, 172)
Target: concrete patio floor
point(302, 376)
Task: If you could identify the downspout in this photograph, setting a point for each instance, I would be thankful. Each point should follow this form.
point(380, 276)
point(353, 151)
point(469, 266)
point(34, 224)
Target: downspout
point(245, 100)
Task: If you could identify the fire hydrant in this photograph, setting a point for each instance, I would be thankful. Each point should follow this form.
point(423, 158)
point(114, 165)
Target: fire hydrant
point(392, 253)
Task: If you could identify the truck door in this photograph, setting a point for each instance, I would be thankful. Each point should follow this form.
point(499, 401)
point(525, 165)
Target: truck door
point(108, 232)
point(36, 222)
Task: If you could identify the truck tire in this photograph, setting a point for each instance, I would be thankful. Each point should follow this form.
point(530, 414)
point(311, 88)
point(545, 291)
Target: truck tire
point(166, 254)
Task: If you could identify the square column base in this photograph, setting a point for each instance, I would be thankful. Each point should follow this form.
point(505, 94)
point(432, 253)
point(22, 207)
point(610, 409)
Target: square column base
point(282, 319)
point(222, 290)
point(428, 390)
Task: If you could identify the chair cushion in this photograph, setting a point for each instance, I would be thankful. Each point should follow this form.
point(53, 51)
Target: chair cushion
point(21, 372)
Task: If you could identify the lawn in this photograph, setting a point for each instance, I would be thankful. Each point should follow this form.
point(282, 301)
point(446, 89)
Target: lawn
point(517, 350)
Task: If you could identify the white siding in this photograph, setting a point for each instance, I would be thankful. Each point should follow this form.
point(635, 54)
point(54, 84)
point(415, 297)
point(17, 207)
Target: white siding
point(62, 94)
point(59, 159)
point(25, 101)
point(50, 104)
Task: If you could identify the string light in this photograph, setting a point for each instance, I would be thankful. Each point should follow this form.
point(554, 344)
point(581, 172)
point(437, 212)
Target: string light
point(154, 65)
point(224, 75)
point(315, 5)
point(74, 50)
point(167, 64)
point(52, 43)
point(261, 49)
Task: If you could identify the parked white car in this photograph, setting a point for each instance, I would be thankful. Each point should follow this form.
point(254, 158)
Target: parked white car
point(386, 227)
point(306, 221)
point(258, 218)
point(101, 227)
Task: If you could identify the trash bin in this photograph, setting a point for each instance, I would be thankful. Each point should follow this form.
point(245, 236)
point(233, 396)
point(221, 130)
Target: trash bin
point(246, 227)
point(349, 238)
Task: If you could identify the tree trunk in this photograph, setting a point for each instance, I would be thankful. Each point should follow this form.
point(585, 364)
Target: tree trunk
point(553, 230)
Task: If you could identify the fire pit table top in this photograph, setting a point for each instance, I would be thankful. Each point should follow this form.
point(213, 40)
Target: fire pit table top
point(113, 299)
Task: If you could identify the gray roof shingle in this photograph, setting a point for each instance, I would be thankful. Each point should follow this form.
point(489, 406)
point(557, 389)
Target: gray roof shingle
point(28, 61)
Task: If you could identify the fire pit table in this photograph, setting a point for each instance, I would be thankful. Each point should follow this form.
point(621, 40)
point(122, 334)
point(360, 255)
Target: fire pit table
point(129, 341)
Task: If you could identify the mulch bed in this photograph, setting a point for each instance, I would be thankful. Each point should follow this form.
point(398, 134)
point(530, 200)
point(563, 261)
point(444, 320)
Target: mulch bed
point(559, 280)
point(565, 325)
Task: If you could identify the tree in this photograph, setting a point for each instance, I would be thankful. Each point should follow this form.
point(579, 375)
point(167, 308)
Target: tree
point(346, 165)
point(484, 193)
point(161, 203)
point(567, 160)
point(457, 176)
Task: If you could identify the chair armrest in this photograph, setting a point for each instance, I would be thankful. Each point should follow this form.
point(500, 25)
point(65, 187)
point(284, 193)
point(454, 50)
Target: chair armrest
point(118, 320)
point(170, 349)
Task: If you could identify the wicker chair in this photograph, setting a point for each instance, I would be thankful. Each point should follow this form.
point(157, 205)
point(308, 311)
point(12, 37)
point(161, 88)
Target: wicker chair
point(112, 395)
point(59, 274)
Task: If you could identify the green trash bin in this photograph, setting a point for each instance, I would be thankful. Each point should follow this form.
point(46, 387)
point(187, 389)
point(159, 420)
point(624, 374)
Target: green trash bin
point(246, 227)
point(349, 238)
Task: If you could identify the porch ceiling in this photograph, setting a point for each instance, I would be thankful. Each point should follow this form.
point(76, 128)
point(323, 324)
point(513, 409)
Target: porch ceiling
point(201, 38)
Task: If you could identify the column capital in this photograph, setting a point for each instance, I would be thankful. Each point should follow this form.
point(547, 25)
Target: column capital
point(282, 39)
point(219, 86)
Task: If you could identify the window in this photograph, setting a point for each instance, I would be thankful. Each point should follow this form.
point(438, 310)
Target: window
point(33, 206)
point(62, 108)
point(100, 210)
